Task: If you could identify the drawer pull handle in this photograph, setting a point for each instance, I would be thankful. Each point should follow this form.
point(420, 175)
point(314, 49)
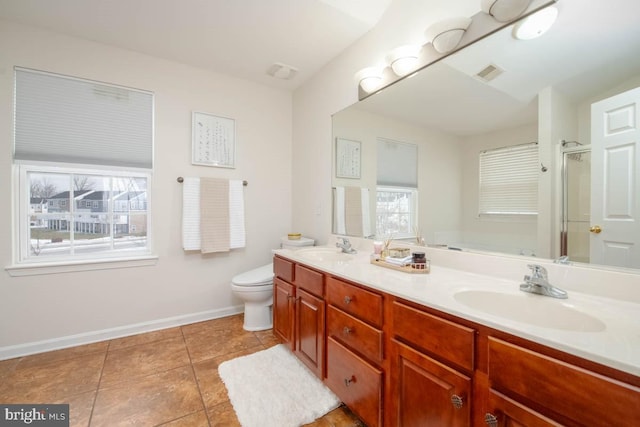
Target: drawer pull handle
point(347, 330)
point(347, 300)
point(349, 381)
point(491, 420)
point(456, 401)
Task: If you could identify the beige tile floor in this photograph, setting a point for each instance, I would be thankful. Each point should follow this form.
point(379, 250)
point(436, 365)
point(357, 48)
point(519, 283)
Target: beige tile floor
point(168, 377)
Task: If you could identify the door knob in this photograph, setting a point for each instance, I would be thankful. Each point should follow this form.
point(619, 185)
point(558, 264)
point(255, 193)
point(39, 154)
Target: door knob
point(595, 229)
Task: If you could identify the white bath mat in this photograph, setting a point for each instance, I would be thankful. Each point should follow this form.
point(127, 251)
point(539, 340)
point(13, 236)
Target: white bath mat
point(272, 388)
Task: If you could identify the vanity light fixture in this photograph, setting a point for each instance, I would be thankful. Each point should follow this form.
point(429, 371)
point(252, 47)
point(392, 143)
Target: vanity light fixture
point(504, 10)
point(369, 78)
point(536, 24)
point(404, 59)
point(446, 35)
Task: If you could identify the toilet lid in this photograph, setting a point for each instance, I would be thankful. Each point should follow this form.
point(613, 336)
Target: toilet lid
point(258, 276)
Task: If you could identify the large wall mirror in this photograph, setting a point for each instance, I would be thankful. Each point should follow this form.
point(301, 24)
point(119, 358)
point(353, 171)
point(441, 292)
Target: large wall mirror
point(547, 96)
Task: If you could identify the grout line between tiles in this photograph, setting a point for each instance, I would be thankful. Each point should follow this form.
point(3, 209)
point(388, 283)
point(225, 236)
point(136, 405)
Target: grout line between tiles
point(95, 397)
point(195, 377)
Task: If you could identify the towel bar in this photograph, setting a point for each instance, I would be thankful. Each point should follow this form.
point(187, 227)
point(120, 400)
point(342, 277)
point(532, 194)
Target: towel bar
point(181, 180)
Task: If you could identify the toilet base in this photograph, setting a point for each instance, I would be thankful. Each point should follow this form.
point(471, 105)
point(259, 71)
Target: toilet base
point(257, 317)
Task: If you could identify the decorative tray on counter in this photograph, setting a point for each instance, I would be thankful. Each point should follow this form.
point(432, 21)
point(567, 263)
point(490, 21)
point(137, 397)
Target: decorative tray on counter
point(422, 268)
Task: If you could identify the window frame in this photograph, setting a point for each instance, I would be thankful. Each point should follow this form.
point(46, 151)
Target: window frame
point(23, 264)
point(413, 211)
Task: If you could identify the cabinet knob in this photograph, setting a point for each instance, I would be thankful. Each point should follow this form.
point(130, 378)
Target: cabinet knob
point(491, 420)
point(456, 401)
point(347, 300)
point(347, 330)
point(349, 381)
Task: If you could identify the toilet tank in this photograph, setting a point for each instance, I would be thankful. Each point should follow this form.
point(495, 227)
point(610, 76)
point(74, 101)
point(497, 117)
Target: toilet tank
point(296, 244)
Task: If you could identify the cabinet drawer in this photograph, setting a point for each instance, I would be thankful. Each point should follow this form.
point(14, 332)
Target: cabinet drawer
point(363, 304)
point(309, 280)
point(354, 333)
point(570, 392)
point(355, 382)
point(447, 340)
point(283, 269)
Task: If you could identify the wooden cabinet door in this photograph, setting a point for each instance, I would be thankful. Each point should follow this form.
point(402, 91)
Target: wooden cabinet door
point(309, 346)
point(504, 412)
point(427, 393)
point(283, 310)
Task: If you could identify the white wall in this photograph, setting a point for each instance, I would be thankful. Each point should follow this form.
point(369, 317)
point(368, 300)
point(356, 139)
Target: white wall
point(71, 307)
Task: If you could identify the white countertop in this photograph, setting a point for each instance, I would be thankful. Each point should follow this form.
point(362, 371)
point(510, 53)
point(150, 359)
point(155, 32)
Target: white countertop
point(612, 337)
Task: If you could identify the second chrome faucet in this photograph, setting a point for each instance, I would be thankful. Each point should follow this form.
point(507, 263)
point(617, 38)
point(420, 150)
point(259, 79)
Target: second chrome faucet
point(345, 245)
point(538, 283)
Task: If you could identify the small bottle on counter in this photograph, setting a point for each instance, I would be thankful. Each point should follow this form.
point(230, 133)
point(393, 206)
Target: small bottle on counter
point(419, 258)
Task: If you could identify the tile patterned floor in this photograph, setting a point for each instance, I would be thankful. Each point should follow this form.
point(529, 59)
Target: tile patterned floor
point(168, 377)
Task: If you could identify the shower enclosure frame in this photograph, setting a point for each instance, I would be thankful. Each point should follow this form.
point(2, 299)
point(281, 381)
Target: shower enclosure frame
point(564, 226)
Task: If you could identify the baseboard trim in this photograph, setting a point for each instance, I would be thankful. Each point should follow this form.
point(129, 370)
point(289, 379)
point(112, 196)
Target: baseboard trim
point(19, 350)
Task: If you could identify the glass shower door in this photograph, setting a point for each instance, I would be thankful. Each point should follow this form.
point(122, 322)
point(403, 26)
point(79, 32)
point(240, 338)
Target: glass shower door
point(576, 204)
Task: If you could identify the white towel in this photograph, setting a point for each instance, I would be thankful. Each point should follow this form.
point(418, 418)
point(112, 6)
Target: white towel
point(340, 222)
point(366, 214)
point(399, 261)
point(236, 214)
point(191, 214)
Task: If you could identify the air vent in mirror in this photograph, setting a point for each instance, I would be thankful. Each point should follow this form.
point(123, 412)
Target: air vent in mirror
point(489, 73)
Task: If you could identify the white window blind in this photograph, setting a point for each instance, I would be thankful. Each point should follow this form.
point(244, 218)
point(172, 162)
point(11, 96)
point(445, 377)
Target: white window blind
point(397, 163)
point(70, 120)
point(509, 180)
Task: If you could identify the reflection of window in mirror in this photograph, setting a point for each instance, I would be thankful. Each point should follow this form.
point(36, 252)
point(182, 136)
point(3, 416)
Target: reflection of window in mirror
point(396, 209)
point(397, 188)
point(509, 180)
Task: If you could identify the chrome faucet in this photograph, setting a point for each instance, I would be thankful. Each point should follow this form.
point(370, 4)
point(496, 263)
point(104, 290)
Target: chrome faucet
point(345, 245)
point(538, 283)
point(562, 260)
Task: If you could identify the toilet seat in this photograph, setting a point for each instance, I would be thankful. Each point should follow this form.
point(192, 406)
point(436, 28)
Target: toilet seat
point(257, 277)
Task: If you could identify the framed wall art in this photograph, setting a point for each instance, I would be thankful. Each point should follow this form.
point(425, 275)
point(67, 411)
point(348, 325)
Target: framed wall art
point(213, 140)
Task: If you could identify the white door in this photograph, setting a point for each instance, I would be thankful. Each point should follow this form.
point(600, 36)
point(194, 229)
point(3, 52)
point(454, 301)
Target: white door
point(615, 181)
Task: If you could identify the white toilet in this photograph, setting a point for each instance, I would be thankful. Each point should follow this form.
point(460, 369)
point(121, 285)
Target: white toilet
point(255, 288)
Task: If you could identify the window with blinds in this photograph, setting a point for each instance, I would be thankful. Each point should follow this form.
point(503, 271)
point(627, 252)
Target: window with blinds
point(509, 180)
point(70, 120)
point(83, 156)
point(397, 192)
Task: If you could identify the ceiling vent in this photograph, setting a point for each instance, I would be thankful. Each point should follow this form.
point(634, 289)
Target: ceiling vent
point(489, 73)
point(282, 71)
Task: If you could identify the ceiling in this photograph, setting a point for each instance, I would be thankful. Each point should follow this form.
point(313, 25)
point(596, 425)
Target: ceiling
point(243, 38)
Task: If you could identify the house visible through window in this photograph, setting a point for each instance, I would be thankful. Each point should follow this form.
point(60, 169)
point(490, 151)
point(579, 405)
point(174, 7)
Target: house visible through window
point(97, 193)
point(397, 193)
point(509, 180)
point(396, 209)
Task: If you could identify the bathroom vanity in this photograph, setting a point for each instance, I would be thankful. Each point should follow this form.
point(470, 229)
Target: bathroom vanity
point(421, 350)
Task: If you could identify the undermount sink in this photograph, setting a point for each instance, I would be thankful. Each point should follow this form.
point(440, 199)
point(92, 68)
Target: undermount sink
point(324, 254)
point(531, 309)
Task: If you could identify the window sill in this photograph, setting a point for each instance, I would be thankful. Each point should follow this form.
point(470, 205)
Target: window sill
point(70, 267)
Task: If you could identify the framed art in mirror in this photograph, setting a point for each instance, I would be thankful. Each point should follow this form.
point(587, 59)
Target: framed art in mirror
point(348, 158)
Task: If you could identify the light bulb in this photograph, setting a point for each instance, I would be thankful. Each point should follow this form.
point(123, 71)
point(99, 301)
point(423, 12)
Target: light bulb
point(536, 24)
